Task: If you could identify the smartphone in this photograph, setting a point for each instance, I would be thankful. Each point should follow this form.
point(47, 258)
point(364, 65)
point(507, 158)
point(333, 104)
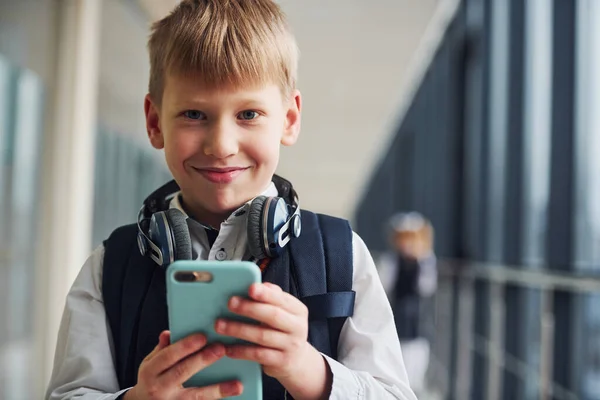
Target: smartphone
point(197, 295)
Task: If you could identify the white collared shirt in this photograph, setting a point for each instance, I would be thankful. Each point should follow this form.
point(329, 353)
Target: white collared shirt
point(370, 362)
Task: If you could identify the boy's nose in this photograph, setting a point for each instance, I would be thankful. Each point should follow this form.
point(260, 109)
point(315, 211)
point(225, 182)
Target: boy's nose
point(220, 142)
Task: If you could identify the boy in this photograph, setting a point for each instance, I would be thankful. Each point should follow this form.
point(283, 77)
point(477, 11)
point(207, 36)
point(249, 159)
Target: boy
point(408, 273)
point(222, 98)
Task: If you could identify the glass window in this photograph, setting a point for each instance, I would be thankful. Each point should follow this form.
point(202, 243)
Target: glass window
point(5, 101)
point(587, 244)
point(537, 129)
point(497, 128)
point(536, 169)
point(20, 171)
point(127, 171)
point(5, 89)
point(101, 190)
point(587, 187)
point(473, 115)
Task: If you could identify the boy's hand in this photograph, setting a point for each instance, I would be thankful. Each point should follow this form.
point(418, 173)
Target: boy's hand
point(167, 367)
point(282, 347)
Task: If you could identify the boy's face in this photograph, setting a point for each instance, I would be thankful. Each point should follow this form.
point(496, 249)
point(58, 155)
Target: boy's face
point(413, 244)
point(221, 145)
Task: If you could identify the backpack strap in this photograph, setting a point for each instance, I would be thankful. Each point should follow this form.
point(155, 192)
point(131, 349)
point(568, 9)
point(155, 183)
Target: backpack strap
point(337, 238)
point(116, 257)
point(124, 289)
point(322, 267)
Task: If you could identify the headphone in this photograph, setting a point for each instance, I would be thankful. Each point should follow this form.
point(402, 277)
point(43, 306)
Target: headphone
point(163, 233)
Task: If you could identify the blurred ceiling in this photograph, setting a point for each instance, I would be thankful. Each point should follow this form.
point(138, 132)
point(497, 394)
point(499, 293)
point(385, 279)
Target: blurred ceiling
point(156, 9)
point(354, 70)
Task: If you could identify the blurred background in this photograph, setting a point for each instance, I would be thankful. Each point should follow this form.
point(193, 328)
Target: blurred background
point(481, 115)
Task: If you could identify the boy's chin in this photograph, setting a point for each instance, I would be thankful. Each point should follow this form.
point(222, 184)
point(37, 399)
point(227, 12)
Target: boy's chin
point(218, 202)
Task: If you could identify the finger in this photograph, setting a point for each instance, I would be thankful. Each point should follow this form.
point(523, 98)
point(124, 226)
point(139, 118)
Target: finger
point(271, 315)
point(272, 294)
point(257, 334)
point(175, 352)
point(179, 373)
point(163, 341)
point(273, 286)
point(213, 392)
point(262, 355)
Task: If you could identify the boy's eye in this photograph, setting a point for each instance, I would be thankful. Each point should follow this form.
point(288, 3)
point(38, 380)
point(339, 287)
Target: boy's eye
point(248, 115)
point(194, 114)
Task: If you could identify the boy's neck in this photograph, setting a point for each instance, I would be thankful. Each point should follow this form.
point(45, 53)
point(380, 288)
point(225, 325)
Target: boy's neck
point(208, 219)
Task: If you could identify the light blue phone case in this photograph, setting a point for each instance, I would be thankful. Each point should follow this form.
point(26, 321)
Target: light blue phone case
point(195, 306)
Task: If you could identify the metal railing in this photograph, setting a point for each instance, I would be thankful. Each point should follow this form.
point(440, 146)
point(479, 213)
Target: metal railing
point(450, 317)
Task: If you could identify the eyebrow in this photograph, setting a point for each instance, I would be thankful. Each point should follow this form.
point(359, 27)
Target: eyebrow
point(250, 102)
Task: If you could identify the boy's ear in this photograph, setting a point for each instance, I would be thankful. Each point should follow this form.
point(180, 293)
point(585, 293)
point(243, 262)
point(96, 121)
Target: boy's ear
point(153, 123)
point(291, 130)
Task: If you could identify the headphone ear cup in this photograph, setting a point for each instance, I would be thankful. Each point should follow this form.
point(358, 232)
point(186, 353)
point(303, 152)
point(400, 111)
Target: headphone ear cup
point(181, 234)
point(255, 229)
point(275, 213)
point(169, 232)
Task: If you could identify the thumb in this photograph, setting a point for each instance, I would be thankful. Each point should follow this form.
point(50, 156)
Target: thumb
point(164, 340)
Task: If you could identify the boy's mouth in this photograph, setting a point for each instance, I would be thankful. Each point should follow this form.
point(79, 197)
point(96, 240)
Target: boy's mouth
point(220, 175)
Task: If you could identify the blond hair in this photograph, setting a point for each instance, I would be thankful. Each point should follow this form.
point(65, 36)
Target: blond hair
point(224, 42)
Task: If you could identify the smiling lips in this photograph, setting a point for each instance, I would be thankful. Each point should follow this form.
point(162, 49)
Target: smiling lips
point(221, 175)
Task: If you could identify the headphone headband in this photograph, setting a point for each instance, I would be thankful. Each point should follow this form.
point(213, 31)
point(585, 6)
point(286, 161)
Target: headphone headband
point(286, 190)
point(160, 198)
point(275, 234)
